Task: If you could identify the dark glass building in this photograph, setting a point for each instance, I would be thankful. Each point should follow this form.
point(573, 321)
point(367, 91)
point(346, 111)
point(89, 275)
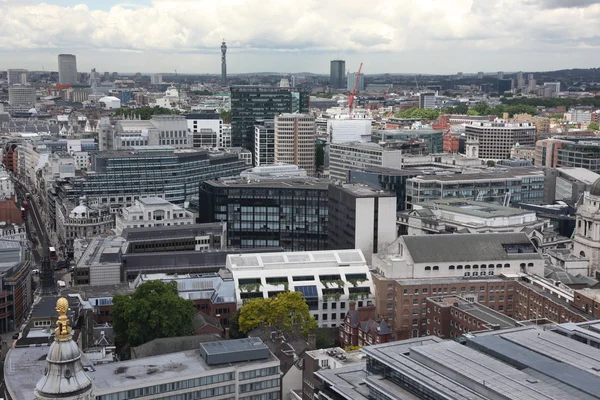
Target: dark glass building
point(391, 180)
point(119, 177)
point(337, 75)
point(291, 214)
point(252, 103)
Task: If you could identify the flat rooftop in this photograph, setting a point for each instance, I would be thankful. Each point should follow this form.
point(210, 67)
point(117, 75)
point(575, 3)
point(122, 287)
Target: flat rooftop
point(512, 174)
point(363, 191)
point(581, 174)
point(475, 208)
point(168, 232)
point(293, 183)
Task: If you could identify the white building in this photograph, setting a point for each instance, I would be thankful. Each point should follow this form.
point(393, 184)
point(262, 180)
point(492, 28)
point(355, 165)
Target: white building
point(264, 143)
point(578, 115)
point(17, 76)
point(206, 129)
point(453, 256)
point(427, 101)
point(555, 86)
point(151, 212)
point(23, 96)
point(586, 238)
point(295, 136)
point(346, 156)
point(82, 221)
point(348, 130)
point(156, 79)
point(275, 171)
point(160, 130)
point(328, 280)
point(7, 188)
point(110, 102)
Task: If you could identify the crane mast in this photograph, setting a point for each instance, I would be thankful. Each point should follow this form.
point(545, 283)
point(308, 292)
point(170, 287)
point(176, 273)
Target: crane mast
point(352, 94)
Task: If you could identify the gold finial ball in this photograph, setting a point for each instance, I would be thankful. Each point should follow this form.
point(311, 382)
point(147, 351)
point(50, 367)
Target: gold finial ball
point(62, 306)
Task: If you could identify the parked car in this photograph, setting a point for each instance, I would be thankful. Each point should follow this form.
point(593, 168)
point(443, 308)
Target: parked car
point(35, 271)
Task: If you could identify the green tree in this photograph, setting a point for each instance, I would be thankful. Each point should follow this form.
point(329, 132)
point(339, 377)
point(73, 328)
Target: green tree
point(594, 126)
point(420, 113)
point(144, 112)
point(226, 116)
point(472, 112)
point(234, 327)
point(154, 310)
point(557, 116)
point(320, 155)
point(281, 312)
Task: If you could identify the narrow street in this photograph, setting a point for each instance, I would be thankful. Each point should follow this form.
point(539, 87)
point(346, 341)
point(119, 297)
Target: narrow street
point(36, 232)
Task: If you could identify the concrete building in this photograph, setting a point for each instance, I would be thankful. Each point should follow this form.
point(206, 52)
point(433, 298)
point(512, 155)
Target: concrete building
point(344, 157)
point(337, 74)
point(328, 280)
point(284, 213)
point(361, 217)
point(467, 216)
point(206, 129)
point(152, 212)
point(568, 184)
point(495, 139)
point(586, 238)
point(276, 171)
point(576, 152)
point(67, 69)
point(427, 101)
point(156, 79)
point(351, 80)
point(16, 76)
point(264, 143)
point(348, 130)
point(433, 138)
point(295, 141)
point(555, 86)
point(386, 179)
point(160, 130)
point(21, 96)
point(516, 185)
point(189, 237)
point(223, 369)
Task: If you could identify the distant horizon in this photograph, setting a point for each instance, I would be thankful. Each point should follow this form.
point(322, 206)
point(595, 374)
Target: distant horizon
point(431, 37)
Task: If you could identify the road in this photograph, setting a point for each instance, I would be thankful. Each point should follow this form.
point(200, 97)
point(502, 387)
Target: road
point(34, 221)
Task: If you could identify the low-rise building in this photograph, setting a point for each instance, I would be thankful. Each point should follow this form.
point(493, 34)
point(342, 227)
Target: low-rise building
point(328, 280)
point(152, 212)
point(363, 327)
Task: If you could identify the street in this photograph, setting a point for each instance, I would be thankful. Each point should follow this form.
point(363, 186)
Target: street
point(38, 236)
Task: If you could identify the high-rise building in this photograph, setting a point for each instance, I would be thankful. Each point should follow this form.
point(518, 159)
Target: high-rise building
point(337, 74)
point(17, 76)
point(361, 217)
point(520, 80)
point(427, 101)
point(295, 140)
point(223, 63)
point(264, 143)
point(67, 69)
point(480, 75)
point(500, 75)
point(21, 96)
point(352, 80)
point(252, 103)
point(156, 79)
point(495, 139)
point(505, 85)
point(555, 86)
point(459, 75)
point(206, 129)
point(531, 84)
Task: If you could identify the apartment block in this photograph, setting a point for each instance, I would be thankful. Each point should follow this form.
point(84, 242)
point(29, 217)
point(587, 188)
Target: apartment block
point(344, 157)
point(295, 141)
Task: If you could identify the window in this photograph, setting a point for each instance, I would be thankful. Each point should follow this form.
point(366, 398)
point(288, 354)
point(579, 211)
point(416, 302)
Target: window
point(451, 267)
point(405, 291)
point(324, 317)
point(390, 296)
point(467, 273)
point(343, 305)
point(427, 268)
point(390, 286)
point(436, 268)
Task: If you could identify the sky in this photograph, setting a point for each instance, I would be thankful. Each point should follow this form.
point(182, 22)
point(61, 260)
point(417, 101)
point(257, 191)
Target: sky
point(388, 36)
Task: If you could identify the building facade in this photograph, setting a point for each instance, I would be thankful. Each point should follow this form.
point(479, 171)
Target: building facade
point(569, 152)
point(434, 139)
point(586, 238)
point(21, 96)
point(205, 129)
point(344, 157)
point(280, 213)
point(67, 69)
point(389, 180)
point(337, 74)
point(295, 141)
point(264, 143)
point(150, 212)
point(495, 139)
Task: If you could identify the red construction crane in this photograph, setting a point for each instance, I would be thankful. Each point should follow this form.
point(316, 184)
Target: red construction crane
point(353, 93)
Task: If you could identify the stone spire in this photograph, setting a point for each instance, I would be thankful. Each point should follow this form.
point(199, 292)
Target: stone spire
point(64, 376)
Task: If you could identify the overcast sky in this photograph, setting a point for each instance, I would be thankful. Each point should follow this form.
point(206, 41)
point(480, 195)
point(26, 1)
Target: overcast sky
point(396, 36)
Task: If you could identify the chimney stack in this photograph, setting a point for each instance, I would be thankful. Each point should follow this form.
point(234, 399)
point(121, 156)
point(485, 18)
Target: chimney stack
point(226, 333)
point(352, 306)
point(312, 341)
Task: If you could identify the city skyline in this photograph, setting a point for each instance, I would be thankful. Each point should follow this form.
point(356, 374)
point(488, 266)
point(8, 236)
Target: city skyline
point(389, 37)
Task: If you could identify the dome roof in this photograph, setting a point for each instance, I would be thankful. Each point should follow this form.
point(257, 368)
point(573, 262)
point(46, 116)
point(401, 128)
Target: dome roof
point(80, 209)
point(595, 189)
point(109, 98)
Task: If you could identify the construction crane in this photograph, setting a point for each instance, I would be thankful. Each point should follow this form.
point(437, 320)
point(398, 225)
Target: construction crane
point(352, 94)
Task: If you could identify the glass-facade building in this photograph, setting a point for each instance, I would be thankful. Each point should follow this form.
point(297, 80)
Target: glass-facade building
point(291, 214)
point(252, 103)
point(118, 177)
point(433, 138)
point(388, 179)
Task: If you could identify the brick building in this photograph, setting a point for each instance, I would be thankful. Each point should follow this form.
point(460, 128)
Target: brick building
point(363, 327)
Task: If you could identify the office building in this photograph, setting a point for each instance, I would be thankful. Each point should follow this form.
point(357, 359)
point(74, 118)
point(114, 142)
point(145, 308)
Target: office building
point(348, 130)
point(555, 86)
point(122, 177)
point(361, 217)
point(386, 179)
point(67, 69)
point(500, 75)
point(579, 115)
point(328, 280)
point(160, 130)
point(505, 85)
point(344, 157)
point(568, 184)
point(586, 238)
point(495, 139)
point(427, 101)
point(351, 81)
point(572, 152)
point(155, 79)
point(467, 216)
point(337, 74)
point(264, 143)
point(291, 214)
point(206, 130)
point(433, 139)
point(240, 368)
point(16, 76)
point(152, 212)
point(517, 185)
point(21, 96)
point(252, 103)
point(295, 141)
point(274, 171)
point(491, 365)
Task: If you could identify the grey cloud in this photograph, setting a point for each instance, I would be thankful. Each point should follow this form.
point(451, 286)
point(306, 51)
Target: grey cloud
point(552, 4)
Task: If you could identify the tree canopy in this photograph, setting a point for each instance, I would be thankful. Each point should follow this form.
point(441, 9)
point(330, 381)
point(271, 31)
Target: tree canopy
point(281, 312)
point(154, 310)
point(144, 112)
point(226, 116)
point(416, 112)
point(551, 102)
point(594, 126)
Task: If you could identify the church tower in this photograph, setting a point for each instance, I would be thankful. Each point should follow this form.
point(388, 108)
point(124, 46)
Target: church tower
point(586, 237)
point(64, 377)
